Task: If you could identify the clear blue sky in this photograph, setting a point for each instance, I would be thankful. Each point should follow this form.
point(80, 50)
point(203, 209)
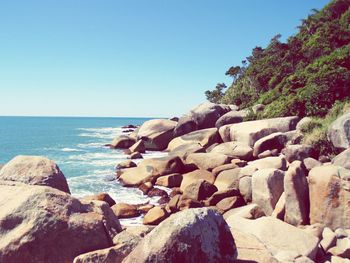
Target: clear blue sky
point(130, 57)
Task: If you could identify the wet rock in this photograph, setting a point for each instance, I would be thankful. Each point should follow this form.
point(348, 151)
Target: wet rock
point(101, 197)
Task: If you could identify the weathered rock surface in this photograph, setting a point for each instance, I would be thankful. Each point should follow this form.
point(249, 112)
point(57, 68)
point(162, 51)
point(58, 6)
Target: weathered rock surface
point(310, 163)
point(123, 210)
point(280, 207)
point(228, 179)
point(154, 216)
point(164, 165)
point(274, 141)
point(183, 151)
point(171, 180)
point(230, 203)
point(235, 150)
point(204, 138)
point(199, 190)
point(34, 170)
point(202, 116)
point(125, 164)
point(343, 159)
point(339, 132)
point(124, 243)
point(230, 117)
point(207, 161)
point(37, 220)
point(329, 196)
point(251, 211)
point(156, 133)
point(219, 195)
point(181, 238)
point(342, 249)
point(137, 175)
point(224, 167)
point(267, 187)
point(123, 142)
point(251, 131)
point(139, 146)
point(296, 190)
point(276, 235)
point(194, 176)
point(245, 188)
point(298, 152)
point(101, 197)
point(278, 162)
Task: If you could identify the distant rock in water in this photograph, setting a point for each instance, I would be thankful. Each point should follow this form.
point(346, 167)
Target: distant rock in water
point(34, 170)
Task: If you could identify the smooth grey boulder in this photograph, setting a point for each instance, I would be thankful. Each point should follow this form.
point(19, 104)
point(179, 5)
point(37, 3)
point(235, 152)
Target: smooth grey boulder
point(156, 134)
point(193, 235)
point(34, 170)
point(296, 190)
point(229, 118)
point(200, 117)
point(339, 132)
point(343, 159)
point(267, 187)
point(42, 224)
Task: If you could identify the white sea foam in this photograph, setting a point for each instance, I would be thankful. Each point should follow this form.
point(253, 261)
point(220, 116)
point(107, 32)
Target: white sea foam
point(70, 150)
point(90, 145)
point(101, 133)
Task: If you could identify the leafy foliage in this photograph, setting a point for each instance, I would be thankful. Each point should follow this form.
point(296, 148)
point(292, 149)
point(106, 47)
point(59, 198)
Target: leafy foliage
point(304, 76)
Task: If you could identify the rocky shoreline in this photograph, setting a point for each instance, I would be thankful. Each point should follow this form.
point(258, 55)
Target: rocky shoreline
point(241, 191)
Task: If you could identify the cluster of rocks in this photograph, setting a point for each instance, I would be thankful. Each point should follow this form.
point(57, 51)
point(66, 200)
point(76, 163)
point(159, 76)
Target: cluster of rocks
point(240, 192)
point(257, 174)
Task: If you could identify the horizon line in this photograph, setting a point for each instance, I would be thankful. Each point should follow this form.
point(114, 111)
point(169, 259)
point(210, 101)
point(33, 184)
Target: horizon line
point(80, 116)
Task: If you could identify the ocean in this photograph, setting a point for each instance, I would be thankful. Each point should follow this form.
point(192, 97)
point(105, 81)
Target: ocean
point(76, 144)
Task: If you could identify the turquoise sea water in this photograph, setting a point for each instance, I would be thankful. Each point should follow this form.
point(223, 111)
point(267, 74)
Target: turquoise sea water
point(76, 145)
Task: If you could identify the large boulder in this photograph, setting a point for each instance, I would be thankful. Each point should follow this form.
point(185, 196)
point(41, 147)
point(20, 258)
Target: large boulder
point(228, 179)
point(199, 190)
point(163, 165)
point(251, 131)
point(202, 116)
point(207, 161)
point(194, 176)
point(155, 215)
point(171, 180)
point(298, 152)
point(235, 150)
point(122, 141)
point(267, 187)
point(273, 141)
point(204, 138)
point(34, 170)
point(124, 243)
point(277, 236)
point(339, 132)
point(278, 162)
point(42, 224)
point(229, 118)
point(137, 175)
point(156, 133)
point(329, 196)
point(100, 197)
point(343, 159)
point(181, 238)
point(296, 190)
point(183, 150)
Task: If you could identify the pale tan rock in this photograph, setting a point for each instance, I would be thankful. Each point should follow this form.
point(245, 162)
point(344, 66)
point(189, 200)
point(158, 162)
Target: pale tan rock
point(137, 175)
point(235, 150)
point(194, 176)
point(267, 187)
point(207, 161)
point(163, 165)
point(329, 239)
point(34, 170)
point(224, 167)
point(156, 133)
point(228, 179)
point(35, 219)
point(123, 210)
point(329, 196)
point(280, 208)
point(204, 138)
point(139, 146)
point(274, 141)
point(171, 180)
point(154, 216)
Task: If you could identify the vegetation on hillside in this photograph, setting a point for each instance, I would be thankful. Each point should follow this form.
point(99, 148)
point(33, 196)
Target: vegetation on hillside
point(305, 76)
